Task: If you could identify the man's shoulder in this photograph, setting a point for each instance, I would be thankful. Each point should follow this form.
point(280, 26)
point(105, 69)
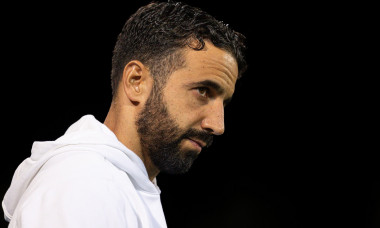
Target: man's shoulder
point(78, 187)
point(80, 167)
point(79, 175)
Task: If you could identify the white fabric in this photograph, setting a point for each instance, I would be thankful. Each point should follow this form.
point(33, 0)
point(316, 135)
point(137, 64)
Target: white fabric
point(84, 179)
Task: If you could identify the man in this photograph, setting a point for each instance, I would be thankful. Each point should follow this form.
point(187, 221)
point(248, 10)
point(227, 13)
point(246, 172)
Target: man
point(174, 69)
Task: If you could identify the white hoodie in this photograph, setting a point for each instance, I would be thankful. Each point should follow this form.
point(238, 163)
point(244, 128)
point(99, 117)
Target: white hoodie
point(84, 179)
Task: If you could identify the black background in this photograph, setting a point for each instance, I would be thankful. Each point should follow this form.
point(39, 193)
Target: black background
point(299, 144)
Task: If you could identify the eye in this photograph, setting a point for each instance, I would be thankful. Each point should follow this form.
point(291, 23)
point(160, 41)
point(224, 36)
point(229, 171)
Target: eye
point(203, 91)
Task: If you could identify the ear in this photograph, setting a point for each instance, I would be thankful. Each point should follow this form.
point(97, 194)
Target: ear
point(136, 82)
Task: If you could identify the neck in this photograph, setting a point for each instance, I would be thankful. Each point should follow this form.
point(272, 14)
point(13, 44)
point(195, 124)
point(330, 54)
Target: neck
point(121, 121)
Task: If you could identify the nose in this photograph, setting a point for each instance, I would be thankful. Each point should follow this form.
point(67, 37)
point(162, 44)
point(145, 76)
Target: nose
point(213, 122)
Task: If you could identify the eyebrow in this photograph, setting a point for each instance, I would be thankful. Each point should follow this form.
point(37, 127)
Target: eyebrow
point(211, 84)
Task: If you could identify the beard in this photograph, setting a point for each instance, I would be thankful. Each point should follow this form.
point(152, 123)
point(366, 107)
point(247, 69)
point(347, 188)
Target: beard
point(161, 136)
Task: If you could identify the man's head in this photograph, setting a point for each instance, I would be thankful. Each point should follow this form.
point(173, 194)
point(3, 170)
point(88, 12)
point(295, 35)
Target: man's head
point(157, 34)
point(193, 62)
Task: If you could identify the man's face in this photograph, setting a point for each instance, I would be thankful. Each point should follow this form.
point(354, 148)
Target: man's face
point(177, 122)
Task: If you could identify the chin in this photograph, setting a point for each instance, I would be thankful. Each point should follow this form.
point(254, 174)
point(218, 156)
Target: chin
point(181, 163)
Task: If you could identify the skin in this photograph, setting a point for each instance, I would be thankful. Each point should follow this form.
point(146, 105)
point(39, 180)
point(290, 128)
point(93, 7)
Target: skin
point(195, 97)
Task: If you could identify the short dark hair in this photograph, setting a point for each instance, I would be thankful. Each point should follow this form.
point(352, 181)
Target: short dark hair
point(157, 33)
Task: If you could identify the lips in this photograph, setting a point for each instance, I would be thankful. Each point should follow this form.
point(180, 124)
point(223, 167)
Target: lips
point(199, 138)
point(199, 142)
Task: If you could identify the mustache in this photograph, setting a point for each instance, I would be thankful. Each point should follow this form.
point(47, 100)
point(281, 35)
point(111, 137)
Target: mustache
point(199, 135)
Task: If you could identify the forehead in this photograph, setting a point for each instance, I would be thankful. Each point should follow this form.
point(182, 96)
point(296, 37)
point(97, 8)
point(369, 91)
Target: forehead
point(210, 63)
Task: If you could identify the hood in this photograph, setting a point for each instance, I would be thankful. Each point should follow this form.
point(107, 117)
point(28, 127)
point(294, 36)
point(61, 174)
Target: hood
point(86, 133)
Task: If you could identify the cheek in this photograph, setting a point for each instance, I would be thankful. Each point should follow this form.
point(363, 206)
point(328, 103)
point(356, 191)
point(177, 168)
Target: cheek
point(183, 107)
point(185, 112)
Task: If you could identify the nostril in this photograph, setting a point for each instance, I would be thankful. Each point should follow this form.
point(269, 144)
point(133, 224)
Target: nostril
point(219, 131)
point(209, 130)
